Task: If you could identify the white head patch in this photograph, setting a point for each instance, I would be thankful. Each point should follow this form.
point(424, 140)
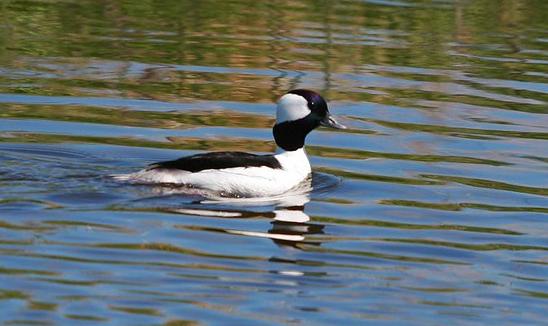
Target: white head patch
point(291, 107)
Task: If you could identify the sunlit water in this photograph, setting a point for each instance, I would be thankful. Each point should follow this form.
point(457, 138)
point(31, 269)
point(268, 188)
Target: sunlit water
point(431, 207)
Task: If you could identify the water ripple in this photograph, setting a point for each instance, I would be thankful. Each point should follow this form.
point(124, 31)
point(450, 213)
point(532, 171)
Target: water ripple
point(430, 208)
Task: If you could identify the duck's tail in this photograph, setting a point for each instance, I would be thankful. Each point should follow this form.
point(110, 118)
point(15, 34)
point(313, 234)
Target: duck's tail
point(123, 177)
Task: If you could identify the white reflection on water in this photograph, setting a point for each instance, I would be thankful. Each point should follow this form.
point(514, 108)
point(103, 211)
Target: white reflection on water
point(289, 221)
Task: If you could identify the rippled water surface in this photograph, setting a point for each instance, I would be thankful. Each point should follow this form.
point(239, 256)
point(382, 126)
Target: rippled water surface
point(431, 208)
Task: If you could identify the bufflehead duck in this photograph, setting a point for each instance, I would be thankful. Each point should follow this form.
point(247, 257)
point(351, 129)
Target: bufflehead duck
point(249, 175)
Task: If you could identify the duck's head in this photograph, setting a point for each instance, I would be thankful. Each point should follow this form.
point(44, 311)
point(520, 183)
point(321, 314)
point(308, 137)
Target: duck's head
point(299, 112)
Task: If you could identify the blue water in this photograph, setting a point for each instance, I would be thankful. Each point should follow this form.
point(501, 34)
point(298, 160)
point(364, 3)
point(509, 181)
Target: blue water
point(430, 209)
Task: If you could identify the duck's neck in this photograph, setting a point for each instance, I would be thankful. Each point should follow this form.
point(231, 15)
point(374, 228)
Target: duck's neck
point(293, 160)
point(290, 135)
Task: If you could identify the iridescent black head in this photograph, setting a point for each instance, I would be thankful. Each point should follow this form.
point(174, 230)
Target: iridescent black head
point(299, 112)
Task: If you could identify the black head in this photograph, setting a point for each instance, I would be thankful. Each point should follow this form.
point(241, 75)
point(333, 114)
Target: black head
point(316, 103)
point(299, 112)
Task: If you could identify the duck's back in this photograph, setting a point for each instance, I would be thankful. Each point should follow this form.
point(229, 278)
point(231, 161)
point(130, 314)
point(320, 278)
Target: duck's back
point(218, 160)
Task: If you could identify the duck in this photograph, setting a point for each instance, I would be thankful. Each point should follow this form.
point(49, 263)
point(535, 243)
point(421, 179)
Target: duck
point(241, 174)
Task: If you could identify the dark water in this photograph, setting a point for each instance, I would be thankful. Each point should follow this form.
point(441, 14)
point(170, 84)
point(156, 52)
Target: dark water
point(432, 208)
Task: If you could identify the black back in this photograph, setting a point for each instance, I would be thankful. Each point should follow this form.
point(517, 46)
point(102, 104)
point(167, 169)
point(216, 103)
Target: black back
point(218, 160)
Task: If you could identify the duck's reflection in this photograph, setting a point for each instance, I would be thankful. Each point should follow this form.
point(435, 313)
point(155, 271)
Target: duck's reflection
point(290, 227)
point(290, 224)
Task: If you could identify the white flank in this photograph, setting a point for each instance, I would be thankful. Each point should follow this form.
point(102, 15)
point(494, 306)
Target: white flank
point(245, 181)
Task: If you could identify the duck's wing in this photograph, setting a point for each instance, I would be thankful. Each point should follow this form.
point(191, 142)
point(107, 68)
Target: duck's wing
point(218, 160)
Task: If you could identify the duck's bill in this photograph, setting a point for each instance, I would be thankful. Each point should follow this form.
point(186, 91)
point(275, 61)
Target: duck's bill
point(330, 122)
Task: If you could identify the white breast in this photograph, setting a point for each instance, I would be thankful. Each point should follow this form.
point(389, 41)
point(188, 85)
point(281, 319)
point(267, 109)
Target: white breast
point(247, 182)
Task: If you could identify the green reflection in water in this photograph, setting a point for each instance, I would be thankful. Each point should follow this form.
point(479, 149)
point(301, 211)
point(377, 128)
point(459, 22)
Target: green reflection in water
point(476, 247)
point(412, 226)
point(378, 178)
point(378, 255)
point(435, 290)
point(535, 294)
point(46, 204)
point(454, 304)
point(173, 249)
point(454, 131)
point(482, 183)
point(138, 311)
point(11, 294)
point(18, 271)
point(460, 206)
point(361, 154)
point(148, 119)
point(37, 305)
point(84, 317)
point(23, 227)
point(272, 37)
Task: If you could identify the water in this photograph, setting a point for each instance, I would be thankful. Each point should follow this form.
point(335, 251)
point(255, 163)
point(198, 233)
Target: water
point(431, 207)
